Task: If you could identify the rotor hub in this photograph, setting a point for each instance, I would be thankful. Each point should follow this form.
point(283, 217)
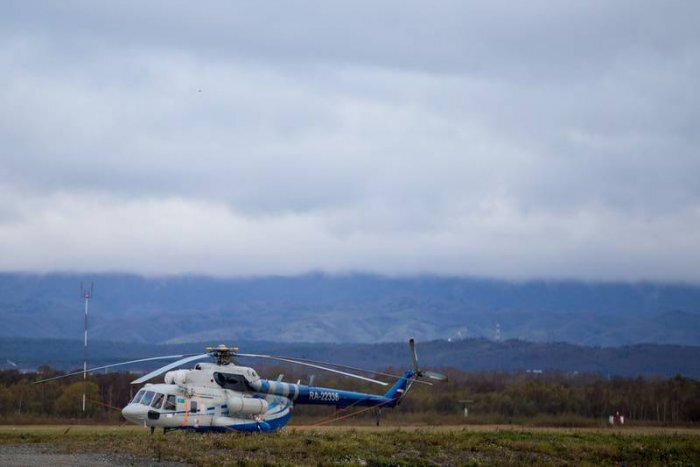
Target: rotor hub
point(222, 354)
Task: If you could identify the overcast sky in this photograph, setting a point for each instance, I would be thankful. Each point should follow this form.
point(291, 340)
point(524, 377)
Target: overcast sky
point(485, 138)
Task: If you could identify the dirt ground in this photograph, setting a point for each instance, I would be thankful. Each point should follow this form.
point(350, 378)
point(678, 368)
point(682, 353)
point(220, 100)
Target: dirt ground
point(40, 455)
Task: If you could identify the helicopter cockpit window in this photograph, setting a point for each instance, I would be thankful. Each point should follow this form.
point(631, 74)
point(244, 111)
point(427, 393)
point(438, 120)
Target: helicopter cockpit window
point(137, 397)
point(231, 381)
point(157, 401)
point(148, 397)
point(170, 402)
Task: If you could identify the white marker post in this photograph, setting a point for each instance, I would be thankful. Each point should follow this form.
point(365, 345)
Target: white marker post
point(87, 295)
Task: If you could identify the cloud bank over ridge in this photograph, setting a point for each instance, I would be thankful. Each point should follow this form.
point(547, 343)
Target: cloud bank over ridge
point(481, 138)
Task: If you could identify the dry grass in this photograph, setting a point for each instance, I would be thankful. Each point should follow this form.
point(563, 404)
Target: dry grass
point(410, 445)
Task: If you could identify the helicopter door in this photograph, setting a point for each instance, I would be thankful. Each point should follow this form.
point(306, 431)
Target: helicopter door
point(198, 415)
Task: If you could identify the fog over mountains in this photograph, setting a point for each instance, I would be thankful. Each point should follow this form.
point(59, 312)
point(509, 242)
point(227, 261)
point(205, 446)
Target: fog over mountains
point(347, 309)
point(465, 354)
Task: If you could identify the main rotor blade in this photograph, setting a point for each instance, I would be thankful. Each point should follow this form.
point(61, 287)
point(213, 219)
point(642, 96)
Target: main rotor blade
point(89, 370)
point(167, 367)
point(312, 365)
point(434, 375)
point(348, 367)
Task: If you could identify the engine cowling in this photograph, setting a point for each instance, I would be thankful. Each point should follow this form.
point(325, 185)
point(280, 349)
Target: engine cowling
point(178, 377)
point(246, 405)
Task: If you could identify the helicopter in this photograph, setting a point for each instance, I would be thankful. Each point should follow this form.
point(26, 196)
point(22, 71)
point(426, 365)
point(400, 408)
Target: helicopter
point(223, 396)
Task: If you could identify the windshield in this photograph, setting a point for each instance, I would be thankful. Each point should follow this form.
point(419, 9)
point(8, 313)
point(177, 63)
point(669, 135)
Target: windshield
point(148, 397)
point(137, 397)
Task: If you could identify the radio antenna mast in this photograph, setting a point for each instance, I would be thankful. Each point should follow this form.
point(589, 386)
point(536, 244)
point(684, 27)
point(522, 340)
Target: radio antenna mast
point(87, 295)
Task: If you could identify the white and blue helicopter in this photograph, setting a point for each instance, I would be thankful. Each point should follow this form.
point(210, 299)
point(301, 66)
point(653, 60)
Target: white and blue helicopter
point(227, 397)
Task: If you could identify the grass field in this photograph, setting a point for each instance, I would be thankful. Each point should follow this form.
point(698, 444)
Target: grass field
point(444, 445)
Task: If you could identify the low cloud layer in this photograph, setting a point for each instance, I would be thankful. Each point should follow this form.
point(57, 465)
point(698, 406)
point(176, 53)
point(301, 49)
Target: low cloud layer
point(479, 138)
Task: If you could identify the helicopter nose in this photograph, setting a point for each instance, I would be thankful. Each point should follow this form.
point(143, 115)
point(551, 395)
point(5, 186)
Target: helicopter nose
point(135, 413)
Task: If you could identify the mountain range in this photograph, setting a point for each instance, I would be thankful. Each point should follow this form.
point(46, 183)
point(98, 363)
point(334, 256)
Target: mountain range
point(465, 354)
point(353, 308)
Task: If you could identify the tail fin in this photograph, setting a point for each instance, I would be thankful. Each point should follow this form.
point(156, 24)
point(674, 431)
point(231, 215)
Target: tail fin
point(400, 386)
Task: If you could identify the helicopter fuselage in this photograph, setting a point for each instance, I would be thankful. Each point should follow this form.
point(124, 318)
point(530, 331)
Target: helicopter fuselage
point(213, 397)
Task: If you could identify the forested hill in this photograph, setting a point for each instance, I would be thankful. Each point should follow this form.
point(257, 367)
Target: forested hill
point(467, 354)
point(349, 308)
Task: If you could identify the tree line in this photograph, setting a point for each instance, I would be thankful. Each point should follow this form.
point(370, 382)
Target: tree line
point(516, 396)
point(522, 395)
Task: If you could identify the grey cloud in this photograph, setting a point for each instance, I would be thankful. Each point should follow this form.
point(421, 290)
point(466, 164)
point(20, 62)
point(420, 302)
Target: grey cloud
point(536, 38)
point(467, 137)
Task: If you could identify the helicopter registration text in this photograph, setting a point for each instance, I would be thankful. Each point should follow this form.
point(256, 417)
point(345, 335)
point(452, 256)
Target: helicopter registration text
point(324, 396)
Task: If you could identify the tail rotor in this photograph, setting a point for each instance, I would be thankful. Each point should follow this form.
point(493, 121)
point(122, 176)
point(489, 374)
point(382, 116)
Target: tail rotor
point(428, 374)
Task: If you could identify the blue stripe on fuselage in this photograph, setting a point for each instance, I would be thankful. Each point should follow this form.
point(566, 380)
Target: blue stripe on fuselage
point(315, 395)
point(266, 426)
